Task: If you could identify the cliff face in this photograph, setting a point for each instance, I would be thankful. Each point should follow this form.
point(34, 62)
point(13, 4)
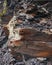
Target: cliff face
point(26, 33)
point(39, 43)
point(30, 25)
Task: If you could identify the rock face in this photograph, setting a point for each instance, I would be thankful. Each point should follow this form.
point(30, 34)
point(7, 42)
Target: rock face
point(37, 42)
point(26, 35)
point(29, 29)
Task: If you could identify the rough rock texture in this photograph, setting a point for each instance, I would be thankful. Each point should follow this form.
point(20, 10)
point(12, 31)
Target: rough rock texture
point(35, 47)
